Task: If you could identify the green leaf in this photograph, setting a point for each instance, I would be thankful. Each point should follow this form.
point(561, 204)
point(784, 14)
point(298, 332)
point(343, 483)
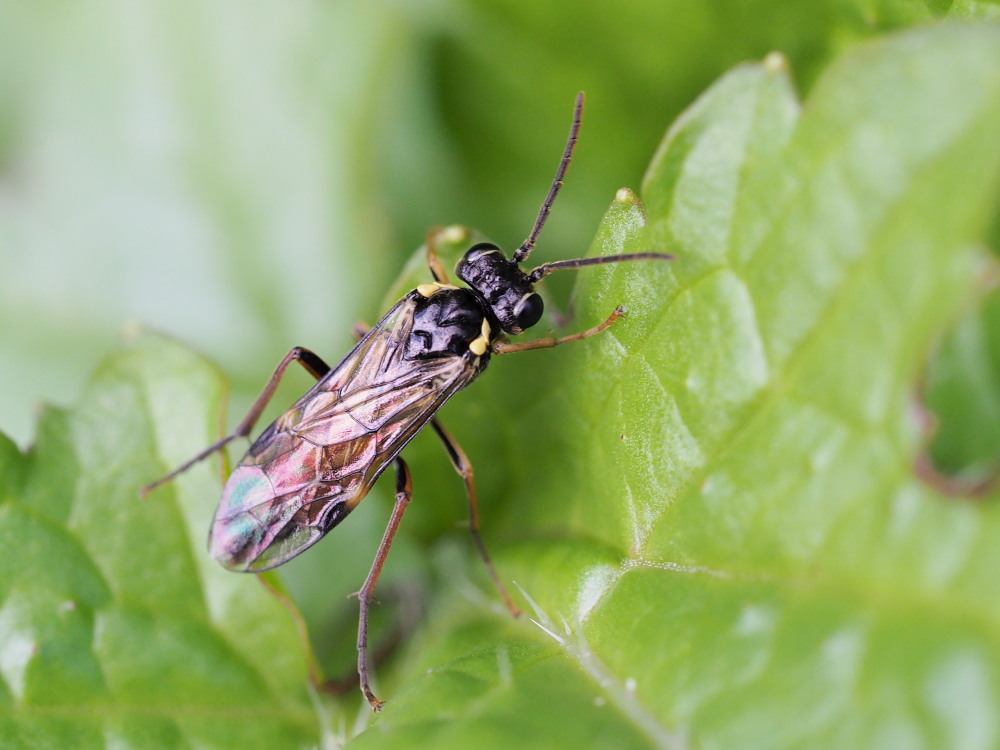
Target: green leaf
point(116, 629)
point(713, 505)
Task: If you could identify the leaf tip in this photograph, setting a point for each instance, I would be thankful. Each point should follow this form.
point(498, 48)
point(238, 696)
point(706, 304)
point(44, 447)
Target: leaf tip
point(454, 234)
point(625, 195)
point(775, 62)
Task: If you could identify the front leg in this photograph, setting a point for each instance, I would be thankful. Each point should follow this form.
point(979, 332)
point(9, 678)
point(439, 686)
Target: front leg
point(506, 347)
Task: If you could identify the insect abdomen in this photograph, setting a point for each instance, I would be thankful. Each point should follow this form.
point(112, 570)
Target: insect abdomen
point(266, 517)
point(237, 537)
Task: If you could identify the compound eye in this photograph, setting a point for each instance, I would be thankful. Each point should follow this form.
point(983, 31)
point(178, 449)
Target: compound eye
point(529, 311)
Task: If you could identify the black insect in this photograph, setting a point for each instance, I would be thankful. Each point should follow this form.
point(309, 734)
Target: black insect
point(316, 462)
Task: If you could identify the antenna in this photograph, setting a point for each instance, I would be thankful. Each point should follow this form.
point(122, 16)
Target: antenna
point(529, 244)
point(546, 268)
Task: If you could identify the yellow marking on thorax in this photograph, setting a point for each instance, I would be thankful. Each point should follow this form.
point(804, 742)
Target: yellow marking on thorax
point(481, 343)
point(429, 290)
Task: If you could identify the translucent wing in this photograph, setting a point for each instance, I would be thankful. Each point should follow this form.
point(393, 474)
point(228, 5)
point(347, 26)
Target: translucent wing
point(313, 465)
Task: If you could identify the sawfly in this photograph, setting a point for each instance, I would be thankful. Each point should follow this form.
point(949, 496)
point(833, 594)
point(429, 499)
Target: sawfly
point(312, 466)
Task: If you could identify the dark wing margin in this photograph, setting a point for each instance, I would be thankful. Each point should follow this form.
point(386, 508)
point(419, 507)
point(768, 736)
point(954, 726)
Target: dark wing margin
point(314, 464)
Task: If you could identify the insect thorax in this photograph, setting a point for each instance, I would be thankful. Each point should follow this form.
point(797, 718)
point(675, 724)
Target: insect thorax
point(445, 323)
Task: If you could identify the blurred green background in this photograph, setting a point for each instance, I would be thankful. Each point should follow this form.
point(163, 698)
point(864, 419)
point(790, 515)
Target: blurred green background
point(248, 176)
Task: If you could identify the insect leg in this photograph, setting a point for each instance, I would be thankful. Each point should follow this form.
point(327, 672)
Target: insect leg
point(506, 347)
point(359, 330)
point(309, 360)
point(404, 490)
point(462, 465)
point(433, 261)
